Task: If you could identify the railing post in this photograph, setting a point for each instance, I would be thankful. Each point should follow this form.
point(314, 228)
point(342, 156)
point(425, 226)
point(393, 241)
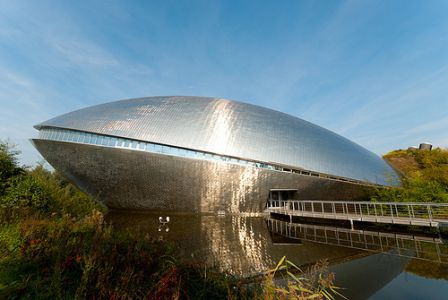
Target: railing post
point(326, 237)
point(391, 213)
point(409, 213)
point(429, 213)
point(381, 242)
point(334, 209)
point(398, 244)
point(438, 252)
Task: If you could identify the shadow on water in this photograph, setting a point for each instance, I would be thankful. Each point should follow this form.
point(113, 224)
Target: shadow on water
point(365, 262)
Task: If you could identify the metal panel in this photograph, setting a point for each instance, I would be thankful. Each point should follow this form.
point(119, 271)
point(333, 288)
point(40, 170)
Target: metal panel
point(123, 178)
point(231, 128)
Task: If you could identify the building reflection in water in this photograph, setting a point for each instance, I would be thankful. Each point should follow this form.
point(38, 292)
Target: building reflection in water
point(240, 245)
point(424, 247)
point(250, 245)
point(390, 255)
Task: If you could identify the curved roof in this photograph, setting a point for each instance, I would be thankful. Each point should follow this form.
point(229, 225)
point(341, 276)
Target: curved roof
point(230, 128)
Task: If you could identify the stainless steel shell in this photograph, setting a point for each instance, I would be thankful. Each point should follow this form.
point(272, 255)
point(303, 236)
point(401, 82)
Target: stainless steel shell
point(230, 128)
point(134, 179)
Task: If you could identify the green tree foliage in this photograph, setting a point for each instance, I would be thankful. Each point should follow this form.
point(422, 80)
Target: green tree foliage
point(425, 176)
point(8, 166)
point(25, 191)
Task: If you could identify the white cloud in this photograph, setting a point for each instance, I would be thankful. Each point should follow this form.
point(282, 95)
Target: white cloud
point(82, 52)
point(430, 126)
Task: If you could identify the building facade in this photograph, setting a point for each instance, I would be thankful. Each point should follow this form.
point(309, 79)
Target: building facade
point(204, 155)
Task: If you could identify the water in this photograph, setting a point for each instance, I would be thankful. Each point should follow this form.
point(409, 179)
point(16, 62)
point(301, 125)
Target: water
point(367, 263)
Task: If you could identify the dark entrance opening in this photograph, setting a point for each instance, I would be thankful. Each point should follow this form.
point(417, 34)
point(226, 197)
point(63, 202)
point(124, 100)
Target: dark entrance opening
point(282, 194)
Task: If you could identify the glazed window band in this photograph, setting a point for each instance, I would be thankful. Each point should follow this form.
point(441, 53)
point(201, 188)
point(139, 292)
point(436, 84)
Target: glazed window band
point(75, 136)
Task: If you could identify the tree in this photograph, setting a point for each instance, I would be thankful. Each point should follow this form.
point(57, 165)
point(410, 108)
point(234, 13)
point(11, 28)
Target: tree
point(9, 167)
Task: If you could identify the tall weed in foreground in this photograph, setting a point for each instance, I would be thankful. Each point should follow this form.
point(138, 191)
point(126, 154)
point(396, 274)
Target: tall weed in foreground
point(65, 258)
point(315, 283)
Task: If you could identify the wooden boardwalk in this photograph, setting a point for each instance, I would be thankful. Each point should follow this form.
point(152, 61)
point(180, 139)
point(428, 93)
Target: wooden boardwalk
point(402, 213)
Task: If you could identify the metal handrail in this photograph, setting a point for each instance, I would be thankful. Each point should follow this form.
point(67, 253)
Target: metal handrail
point(389, 212)
point(427, 248)
point(362, 202)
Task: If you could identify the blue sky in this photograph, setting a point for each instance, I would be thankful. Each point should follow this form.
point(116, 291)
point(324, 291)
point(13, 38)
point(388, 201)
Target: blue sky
point(375, 72)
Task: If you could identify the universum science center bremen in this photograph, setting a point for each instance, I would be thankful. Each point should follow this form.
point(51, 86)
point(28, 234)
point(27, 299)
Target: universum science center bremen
point(198, 154)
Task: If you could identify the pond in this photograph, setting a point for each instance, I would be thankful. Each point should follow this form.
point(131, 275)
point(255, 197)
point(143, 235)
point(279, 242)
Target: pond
point(368, 264)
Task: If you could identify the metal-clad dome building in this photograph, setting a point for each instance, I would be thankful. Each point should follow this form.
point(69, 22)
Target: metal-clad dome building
point(203, 154)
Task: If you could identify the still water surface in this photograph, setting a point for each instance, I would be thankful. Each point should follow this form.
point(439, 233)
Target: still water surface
point(368, 264)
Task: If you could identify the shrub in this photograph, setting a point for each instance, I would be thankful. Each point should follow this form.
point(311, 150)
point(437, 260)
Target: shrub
point(8, 166)
point(65, 197)
point(26, 192)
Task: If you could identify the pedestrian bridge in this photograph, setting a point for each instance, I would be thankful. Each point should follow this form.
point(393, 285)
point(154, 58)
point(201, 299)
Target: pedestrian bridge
point(402, 213)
